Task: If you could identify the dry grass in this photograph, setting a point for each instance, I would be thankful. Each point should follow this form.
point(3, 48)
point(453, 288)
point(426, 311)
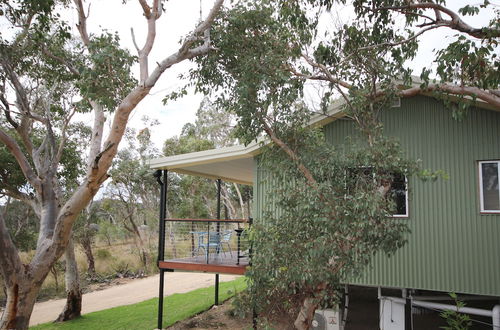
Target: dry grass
point(122, 257)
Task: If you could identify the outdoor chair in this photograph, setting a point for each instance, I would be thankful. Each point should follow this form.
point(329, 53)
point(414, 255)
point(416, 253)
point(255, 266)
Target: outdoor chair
point(225, 239)
point(213, 242)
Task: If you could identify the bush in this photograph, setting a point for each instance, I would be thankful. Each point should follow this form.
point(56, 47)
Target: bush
point(103, 254)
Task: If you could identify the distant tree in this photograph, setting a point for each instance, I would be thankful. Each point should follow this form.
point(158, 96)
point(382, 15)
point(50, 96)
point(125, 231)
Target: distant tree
point(22, 223)
point(132, 194)
point(85, 231)
point(195, 194)
point(213, 124)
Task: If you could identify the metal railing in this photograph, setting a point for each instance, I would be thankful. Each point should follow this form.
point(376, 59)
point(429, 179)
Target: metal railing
point(207, 241)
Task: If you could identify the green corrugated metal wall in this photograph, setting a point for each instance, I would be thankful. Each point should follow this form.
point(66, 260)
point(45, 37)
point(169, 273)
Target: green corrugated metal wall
point(452, 247)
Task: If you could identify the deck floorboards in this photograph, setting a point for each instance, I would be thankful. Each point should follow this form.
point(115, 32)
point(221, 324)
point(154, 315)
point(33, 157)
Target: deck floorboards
point(224, 263)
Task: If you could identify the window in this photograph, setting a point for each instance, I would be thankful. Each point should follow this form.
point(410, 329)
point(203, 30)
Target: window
point(489, 194)
point(395, 187)
point(399, 194)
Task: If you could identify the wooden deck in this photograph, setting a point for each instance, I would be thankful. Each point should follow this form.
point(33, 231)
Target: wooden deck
point(223, 263)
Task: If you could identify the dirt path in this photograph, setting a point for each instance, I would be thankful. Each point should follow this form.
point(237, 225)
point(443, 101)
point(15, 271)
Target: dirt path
point(129, 293)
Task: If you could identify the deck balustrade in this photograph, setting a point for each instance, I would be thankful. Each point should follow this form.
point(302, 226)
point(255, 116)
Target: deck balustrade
point(206, 245)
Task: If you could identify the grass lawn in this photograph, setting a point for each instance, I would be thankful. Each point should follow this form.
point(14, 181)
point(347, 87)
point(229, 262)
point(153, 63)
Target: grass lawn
point(144, 315)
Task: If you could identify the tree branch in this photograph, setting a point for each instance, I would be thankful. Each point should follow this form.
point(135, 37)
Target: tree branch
point(151, 16)
point(133, 39)
point(455, 22)
point(82, 22)
point(59, 59)
point(293, 156)
point(21, 94)
point(486, 96)
point(62, 143)
point(145, 8)
point(25, 198)
point(491, 97)
point(184, 51)
point(7, 110)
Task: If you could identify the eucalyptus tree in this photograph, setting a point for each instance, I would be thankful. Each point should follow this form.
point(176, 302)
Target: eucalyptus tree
point(47, 76)
point(268, 51)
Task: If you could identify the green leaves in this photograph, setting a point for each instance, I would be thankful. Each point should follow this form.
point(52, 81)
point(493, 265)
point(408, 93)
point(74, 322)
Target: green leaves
point(469, 10)
point(308, 235)
point(455, 319)
point(105, 75)
point(248, 73)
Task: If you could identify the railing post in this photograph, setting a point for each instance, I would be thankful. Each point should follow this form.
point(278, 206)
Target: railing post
point(163, 212)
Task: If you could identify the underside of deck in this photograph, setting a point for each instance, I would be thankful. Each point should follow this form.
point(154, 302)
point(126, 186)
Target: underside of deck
point(222, 263)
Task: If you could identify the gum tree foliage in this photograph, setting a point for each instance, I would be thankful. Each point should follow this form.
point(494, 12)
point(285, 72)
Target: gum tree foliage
point(46, 76)
point(267, 51)
point(195, 195)
point(22, 223)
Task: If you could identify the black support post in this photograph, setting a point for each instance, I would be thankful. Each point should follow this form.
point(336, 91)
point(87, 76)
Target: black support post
point(218, 233)
point(160, 299)
point(218, 200)
point(216, 289)
point(161, 239)
point(408, 316)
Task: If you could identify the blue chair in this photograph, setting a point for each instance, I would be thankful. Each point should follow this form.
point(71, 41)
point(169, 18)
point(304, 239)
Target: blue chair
point(213, 242)
point(225, 239)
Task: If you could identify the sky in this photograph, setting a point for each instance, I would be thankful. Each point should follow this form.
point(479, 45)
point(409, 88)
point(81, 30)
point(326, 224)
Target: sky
point(179, 18)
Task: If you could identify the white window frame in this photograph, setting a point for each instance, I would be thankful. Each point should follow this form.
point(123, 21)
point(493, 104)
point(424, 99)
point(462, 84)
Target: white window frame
point(481, 196)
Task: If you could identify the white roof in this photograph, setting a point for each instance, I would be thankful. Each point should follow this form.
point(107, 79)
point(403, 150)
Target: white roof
point(234, 164)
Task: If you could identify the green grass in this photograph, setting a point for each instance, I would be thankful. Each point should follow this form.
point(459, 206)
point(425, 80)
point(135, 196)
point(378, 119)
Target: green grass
point(143, 315)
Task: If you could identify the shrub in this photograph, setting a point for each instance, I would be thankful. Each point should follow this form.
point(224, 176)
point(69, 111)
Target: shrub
point(103, 254)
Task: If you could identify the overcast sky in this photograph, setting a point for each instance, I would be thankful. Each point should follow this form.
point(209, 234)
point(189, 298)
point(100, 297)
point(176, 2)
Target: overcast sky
point(179, 18)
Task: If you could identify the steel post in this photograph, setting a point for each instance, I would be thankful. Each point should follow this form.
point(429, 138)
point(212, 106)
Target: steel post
point(161, 239)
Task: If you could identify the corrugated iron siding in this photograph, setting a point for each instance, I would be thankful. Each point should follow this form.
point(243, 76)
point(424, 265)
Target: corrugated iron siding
point(452, 248)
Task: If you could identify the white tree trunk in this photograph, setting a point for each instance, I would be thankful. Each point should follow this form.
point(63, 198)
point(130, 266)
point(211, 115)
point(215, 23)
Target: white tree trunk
point(73, 307)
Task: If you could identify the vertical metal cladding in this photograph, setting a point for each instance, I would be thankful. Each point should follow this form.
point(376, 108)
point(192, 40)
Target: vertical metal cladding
point(452, 247)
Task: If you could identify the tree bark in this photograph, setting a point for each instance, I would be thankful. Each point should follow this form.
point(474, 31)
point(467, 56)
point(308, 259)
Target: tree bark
point(73, 307)
point(306, 314)
point(21, 297)
point(144, 254)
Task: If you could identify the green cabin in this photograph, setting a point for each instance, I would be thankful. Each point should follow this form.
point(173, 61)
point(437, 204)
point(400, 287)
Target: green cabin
point(454, 222)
